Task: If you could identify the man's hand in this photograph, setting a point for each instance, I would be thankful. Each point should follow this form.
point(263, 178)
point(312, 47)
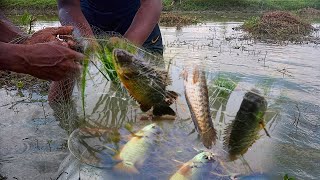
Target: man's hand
point(51, 61)
point(59, 35)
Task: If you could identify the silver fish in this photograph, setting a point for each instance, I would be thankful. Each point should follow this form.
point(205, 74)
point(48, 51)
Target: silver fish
point(137, 149)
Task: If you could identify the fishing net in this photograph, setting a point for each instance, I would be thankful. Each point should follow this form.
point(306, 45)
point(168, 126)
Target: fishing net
point(100, 113)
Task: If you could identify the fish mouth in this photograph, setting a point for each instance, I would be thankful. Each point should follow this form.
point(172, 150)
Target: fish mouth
point(209, 157)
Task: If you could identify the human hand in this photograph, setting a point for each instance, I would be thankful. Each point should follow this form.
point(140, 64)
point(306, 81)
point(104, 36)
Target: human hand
point(50, 61)
point(59, 35)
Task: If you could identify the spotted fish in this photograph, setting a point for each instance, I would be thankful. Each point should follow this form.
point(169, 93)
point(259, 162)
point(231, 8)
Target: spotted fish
point(243, 131)
point(196, 93)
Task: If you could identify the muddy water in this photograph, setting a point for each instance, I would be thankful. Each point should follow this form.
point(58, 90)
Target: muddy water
point(33, 143)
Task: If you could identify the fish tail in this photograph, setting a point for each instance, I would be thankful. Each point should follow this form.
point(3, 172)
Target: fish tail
point(209, 138)
point(160, 110)
point(127, 168)
point(164, 107)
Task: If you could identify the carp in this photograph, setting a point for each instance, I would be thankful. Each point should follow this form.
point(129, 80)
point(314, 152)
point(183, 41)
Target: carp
point(135, 151)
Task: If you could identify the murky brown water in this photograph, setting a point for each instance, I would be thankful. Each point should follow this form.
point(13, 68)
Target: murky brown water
point(33, 143)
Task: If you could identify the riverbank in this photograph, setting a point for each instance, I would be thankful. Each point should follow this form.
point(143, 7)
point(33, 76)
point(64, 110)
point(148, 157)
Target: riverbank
point(49, 7)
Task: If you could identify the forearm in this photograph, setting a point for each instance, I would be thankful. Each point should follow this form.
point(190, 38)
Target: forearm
point(144, 21)
point(11, 59)
point(9, 31)
point(70, 14)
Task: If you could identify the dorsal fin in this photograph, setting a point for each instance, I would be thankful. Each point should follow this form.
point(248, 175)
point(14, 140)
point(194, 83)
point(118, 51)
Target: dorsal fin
point(196, 75)
point(227, 133)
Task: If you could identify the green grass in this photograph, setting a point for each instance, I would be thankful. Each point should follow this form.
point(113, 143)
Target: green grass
point(189, 5)
point(34, 4)
point(212, 5)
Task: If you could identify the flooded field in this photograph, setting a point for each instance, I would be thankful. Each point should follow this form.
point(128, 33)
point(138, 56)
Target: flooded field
point(38, 141)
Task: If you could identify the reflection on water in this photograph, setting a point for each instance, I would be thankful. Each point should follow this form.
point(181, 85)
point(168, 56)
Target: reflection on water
point(287, 77)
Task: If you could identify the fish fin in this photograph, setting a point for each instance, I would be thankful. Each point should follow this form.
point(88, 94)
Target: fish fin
point(184, 74)
point(126, 167)
point(117, 157)
point(136, 135)
point(160, 110)
point(193, 131)
point(196, 75)
point(193, 117)
point(164, 77)
point(145, 108)
point(180, 163)
point(185, 170)
point(209, 137)
point(227, 133)
point(263, 126)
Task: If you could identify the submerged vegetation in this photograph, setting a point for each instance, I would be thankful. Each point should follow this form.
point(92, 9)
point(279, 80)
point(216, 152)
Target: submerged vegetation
point(278, 26)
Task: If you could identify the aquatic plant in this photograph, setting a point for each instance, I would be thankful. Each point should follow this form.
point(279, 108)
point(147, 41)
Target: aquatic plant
point(225, 85)
point(104, 56)
point(27, 21)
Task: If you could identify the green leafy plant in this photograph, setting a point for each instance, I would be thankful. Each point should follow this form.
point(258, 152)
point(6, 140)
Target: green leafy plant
point(27, 21)
point(286, 177)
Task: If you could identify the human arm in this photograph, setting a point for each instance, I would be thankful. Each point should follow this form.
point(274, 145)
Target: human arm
point(144, 21)
point(8, 31)
point(47, 61)
point(70, 14)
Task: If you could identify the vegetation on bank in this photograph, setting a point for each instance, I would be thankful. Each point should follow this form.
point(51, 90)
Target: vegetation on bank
point(239, 5)
point(34, 4)
point(278, 26)
point(186, 5)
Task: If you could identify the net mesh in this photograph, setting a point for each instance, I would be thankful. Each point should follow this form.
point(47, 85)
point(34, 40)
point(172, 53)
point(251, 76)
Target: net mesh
point(97, 107)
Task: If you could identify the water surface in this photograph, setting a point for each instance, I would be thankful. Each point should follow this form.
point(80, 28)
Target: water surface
point(34, 137)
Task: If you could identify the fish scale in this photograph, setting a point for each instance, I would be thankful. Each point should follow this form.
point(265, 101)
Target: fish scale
point(145, 83)
point(133, 155)
point(137, 149)
point(196, 93)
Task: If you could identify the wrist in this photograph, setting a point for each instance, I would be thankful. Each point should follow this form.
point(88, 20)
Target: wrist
point(12, 59)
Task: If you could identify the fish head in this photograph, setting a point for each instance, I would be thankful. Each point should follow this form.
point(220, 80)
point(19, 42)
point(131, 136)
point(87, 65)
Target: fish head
point(125, 63)
point(204, 157)
point(152, 130)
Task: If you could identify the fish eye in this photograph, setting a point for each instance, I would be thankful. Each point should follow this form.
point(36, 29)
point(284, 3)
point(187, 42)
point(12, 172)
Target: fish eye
point(206, 157)
point(153, 126)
